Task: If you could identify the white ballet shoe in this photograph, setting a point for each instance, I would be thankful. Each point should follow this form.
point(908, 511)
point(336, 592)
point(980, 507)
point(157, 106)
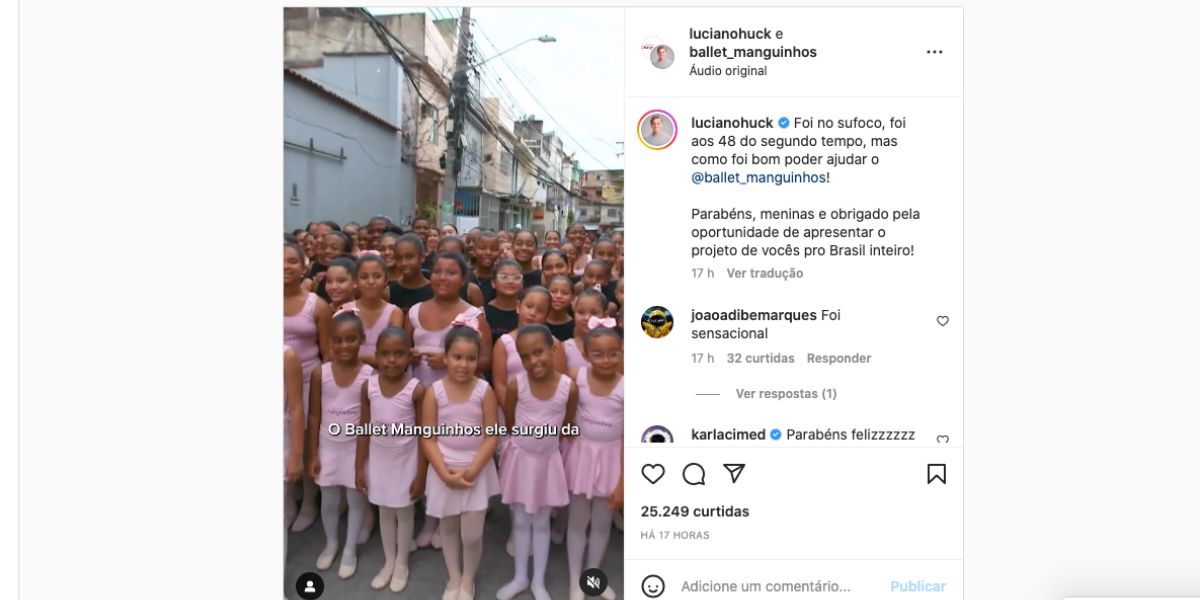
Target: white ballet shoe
point(608, 594)
point(575, 593)
point(399, 579)
point(540, 593)
point(512, 589)
point(381, 580)
point(304, 519)
point(325, 558)
point(346, 571)
point(451, 592)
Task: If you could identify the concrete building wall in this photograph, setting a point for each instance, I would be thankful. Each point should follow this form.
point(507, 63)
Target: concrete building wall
point(373, 82)
point(370, 180)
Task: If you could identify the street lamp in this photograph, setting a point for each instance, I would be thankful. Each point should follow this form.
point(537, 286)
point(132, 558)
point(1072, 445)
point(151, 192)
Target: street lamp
point(545, 39)
point(458, 93)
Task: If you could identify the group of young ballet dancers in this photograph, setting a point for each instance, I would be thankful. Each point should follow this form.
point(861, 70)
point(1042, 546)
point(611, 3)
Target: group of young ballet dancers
point(407, 353)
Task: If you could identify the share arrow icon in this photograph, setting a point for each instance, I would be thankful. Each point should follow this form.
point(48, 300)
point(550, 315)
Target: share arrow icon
point(735, 470)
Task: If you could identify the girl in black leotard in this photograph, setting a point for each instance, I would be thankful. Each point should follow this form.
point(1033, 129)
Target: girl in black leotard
point(502, 310)
point(487, 252)
point(560, 320)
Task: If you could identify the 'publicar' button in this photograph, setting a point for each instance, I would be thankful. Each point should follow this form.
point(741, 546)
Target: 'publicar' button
point(918, 586)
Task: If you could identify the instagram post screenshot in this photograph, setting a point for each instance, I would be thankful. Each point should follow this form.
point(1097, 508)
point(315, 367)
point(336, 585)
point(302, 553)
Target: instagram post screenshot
point(453, 298)
point(911, 307)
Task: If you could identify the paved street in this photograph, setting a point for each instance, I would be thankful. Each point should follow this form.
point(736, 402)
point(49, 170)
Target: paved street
point(428, 571)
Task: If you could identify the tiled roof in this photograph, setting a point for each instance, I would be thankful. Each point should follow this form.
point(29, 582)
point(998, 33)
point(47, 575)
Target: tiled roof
point(312, 83)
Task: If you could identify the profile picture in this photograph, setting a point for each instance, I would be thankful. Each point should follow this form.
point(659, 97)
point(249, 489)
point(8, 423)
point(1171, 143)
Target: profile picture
point(657, 434)
point(656, 129)
point(662, 56)
point(657, 322)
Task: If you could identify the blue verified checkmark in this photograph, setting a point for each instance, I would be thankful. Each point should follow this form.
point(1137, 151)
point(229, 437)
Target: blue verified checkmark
point(784, 122)
point(776, 434)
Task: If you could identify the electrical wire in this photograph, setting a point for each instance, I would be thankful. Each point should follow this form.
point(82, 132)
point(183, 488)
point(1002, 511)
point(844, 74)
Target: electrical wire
point(535, 97)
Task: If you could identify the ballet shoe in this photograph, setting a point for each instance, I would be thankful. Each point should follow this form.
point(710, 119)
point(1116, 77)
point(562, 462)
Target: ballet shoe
point(451, 592)
point(557, 537)
point(512, 553)
point(540, 593)
point(436, 541)
point(608, 594)
point(346, 571)
point(399, 579)
point(325, 558)
point(381, 580)
point(512, 589)
point(304, 519)
point(412, 546)
point(576, 593)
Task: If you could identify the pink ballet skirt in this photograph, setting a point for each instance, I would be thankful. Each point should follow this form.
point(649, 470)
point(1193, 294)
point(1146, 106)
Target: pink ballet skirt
point(339, 405)
point(531, 468)
point(391, 460)
point(458, 452)
point(593, 459)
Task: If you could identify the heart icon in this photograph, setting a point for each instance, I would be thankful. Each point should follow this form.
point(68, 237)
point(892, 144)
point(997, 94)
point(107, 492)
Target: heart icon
point(653, 473)
point(942, 320)
point(943, 439)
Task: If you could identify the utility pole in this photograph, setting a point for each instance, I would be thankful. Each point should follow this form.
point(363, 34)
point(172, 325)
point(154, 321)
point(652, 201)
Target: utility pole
point(458, 112)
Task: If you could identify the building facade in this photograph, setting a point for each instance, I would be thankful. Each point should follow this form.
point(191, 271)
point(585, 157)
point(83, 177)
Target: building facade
point(601, 205)
point(365, 135)
point(341, 162)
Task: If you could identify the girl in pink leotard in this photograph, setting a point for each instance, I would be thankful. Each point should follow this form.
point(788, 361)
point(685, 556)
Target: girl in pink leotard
point(593, 460)
point(335, 406)
point(306, 331)
point(372, 306)
point(293, 434)
point(429, 323)
point(588, 305)
point(390, 470)
point(462, 475)
point(533, 305)
point(540, 401)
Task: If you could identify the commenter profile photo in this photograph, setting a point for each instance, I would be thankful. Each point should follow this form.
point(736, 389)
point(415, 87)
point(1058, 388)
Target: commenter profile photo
point(662, 56)
point(657, 130)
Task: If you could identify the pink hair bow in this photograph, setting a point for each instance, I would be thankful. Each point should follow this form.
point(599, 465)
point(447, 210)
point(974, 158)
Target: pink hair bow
point(595, 322)
point(598, 288)
point(369, 253)
point(466, 319)
point(349, 307)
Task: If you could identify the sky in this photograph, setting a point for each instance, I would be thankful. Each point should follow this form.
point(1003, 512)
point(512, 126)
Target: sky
point(577, 79)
